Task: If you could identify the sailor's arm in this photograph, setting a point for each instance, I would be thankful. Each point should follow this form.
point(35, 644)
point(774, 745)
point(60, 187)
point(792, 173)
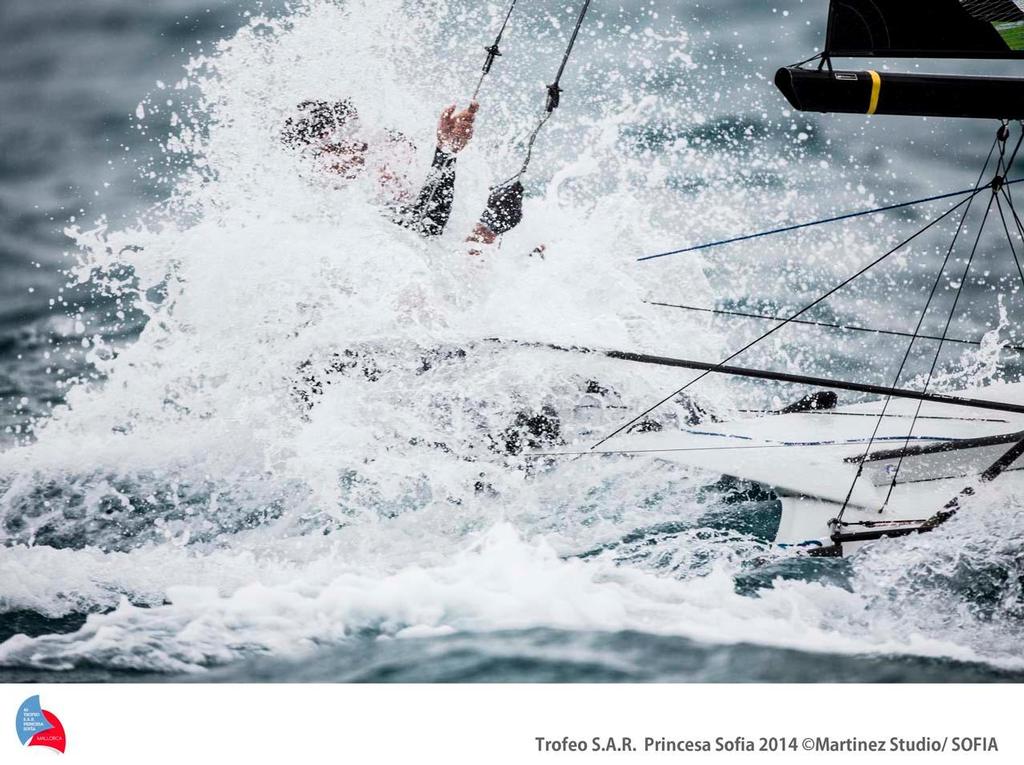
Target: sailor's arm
point(433, 205)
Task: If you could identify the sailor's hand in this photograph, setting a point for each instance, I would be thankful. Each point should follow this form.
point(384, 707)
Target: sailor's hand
point(456, 128)
point(504, 208)
point(482, 234)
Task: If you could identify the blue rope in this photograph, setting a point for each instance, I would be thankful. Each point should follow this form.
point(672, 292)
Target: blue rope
point(847, 216)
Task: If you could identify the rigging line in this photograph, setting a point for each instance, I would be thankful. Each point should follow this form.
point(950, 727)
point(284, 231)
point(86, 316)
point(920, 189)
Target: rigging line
point(529, 148)
point(935, 360)
point(920, 322)
point(1009, 240)
point(1013, 211)
point(493, 52)
point(1017, 223)
point(1003, 171)
point(899, 371)
point(1009, 197)
point(874, 524)
point(554, 94)
point(831, 413)
point(796, 226)
point(800, 379)
point(785, 377)
point(825, 324)
point(807, 60)
point(1016, 218)
point(938, 351)
point(1006, 191)
point(796, 315)
point(691, 449)
point(1016, 148)
point(1002, 168)
point(1009, 201)
point(568, 52)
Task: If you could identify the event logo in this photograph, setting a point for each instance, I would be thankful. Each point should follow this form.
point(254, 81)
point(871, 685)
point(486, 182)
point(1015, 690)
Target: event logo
point(39, 727)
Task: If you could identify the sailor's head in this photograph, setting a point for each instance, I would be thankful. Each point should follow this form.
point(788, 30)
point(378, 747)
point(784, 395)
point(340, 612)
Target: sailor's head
point(342, 142)
point(331, 130)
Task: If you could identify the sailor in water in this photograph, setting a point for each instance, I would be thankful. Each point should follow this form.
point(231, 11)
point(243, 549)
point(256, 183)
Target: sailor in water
point(338, 141)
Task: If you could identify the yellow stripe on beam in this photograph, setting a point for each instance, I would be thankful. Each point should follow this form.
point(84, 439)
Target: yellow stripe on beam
point(876, 87)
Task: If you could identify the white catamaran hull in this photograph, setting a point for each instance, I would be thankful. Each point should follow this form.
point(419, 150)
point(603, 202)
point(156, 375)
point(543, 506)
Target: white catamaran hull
point(811, 460)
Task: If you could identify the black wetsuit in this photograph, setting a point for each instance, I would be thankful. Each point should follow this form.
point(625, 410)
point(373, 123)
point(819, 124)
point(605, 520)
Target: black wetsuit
point(429, 214)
